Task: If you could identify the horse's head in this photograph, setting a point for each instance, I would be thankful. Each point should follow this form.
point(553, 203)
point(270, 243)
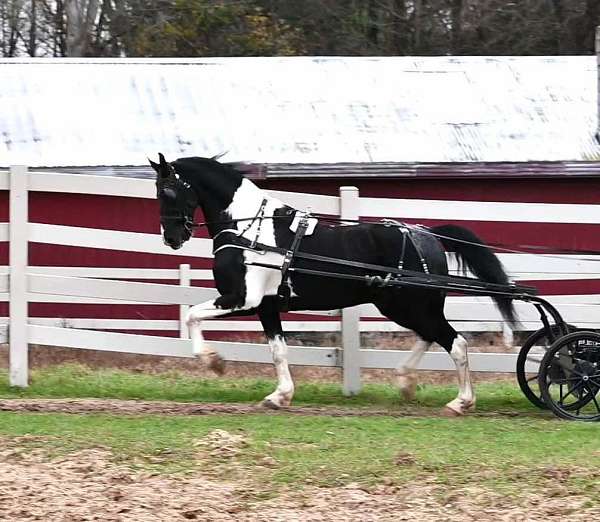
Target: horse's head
point(178, 201)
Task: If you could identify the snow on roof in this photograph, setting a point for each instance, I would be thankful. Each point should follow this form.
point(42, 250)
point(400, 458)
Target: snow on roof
point(86, 112)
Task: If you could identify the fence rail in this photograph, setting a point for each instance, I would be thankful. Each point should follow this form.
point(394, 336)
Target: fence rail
point(21, 284)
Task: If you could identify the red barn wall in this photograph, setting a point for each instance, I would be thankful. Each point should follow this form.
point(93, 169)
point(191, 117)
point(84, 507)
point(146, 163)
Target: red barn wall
point(137, 215)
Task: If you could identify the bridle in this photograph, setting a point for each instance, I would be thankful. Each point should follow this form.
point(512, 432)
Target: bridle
point(186, 221)
point(175, 183)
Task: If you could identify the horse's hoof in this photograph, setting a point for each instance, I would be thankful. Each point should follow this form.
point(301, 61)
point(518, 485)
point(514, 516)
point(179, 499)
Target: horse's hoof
point(451, 412)
point(407, 384)
point(217, 365)
point(213, 361)
point(408, 394)
point(268, 403)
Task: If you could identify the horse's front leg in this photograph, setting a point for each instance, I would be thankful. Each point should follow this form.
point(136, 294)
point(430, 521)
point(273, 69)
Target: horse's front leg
point(195, 316)
point(245, 296)
point(269, 317)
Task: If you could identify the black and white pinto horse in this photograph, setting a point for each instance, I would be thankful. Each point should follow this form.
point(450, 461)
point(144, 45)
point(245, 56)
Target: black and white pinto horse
point(228, 200)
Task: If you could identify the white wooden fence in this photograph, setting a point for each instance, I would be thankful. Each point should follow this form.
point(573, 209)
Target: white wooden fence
point(21, 283)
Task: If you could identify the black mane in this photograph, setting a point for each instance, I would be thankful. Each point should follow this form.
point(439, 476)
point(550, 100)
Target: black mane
point(219, 180)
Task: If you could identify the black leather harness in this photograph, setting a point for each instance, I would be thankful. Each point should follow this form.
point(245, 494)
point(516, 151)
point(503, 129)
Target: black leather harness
point(235, 239)
point(406, 231)
point(284, 291)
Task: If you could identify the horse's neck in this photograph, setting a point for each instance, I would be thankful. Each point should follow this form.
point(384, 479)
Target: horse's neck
point(246, 202)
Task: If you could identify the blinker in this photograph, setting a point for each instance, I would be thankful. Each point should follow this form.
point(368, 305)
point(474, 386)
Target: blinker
point(169, 193)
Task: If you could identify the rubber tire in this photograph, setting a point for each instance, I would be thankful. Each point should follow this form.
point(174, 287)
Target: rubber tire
point(531, 341)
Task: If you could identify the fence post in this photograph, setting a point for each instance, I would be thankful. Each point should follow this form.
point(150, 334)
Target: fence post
point(185, 279)
point(350, 209)
point(18, 237)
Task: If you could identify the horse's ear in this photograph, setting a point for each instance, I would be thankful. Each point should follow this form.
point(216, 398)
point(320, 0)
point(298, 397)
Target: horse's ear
point(154, 165)
point(169, 193)
point(162, 169)
point(217, 157)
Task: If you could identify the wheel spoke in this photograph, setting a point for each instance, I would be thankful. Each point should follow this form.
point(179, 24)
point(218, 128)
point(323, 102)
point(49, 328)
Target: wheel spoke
point(560, 401)
point(534, 378)
point(595, 383)
point(574, 388)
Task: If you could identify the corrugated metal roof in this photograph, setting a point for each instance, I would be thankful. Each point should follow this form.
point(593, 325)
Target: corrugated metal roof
point(477, 170)
point(61, 112)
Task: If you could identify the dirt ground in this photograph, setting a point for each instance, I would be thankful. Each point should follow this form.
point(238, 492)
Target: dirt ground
point(130, 407)
point(88, 485)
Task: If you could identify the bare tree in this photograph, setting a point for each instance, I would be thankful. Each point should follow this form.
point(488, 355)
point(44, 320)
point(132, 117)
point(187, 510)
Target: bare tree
point(418, 24)
point(81, 17)
point(12, 26)
point(456, 10)
point(59, 39)
point(399, 29)
point(584, 37)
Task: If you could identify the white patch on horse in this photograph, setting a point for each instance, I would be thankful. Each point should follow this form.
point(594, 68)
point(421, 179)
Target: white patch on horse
point(466, 398)
point(245, 204)
point(282, 396)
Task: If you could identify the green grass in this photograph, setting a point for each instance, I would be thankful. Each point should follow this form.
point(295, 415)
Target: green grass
point(79, 381)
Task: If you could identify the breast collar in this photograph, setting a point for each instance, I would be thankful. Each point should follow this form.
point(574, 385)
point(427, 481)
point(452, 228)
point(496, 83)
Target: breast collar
point(260, 216)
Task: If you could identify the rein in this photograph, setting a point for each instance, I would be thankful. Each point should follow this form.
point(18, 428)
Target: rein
point(389, 223)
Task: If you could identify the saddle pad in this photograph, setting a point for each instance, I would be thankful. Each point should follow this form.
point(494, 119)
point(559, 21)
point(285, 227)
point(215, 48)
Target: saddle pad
point(312, 223)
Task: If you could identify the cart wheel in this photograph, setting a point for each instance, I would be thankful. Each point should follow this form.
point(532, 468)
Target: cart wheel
point(569, 377)
point(532, 352)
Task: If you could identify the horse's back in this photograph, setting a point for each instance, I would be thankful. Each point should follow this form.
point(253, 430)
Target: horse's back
point(364, 243)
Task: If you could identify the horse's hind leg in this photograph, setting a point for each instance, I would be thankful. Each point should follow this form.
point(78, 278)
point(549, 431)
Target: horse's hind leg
point(456, 345)
point(405, 373)
point(269, 317)
point(428, 322)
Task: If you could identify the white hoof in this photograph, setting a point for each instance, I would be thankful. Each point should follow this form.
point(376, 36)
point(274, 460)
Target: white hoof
point(458, 407)
point(277, 400)
point(213, 360)
point(407, 383)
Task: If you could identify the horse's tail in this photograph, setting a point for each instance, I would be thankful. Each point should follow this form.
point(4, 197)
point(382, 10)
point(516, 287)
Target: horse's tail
point(473, 253)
